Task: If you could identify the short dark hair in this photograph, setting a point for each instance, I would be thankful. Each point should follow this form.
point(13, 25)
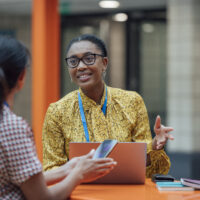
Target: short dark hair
point(91, 38)
point(14, 57)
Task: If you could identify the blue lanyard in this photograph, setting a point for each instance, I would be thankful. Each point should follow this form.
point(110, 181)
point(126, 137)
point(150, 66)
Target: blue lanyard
point(83, 115)
point(6, 104)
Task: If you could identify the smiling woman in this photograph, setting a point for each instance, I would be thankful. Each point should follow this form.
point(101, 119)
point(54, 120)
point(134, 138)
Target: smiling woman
point(97, 112)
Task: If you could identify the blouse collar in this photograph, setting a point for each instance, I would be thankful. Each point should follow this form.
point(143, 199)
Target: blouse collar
point(88, 102)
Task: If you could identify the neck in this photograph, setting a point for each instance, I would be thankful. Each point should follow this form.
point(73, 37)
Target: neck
point(95, 93)
point(10, 100)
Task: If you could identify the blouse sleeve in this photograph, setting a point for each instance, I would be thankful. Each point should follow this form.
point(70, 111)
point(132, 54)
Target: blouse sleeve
point(53, 140)
point(160, 162)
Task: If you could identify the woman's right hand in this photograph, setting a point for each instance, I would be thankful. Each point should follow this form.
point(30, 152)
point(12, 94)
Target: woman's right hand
point(91, 169)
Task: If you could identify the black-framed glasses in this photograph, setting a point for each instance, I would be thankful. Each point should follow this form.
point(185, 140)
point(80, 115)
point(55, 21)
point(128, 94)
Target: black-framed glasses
point(88, 59)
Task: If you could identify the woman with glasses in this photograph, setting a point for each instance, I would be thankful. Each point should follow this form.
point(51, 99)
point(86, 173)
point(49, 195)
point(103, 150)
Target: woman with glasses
point(21, 174)
point(96, 112)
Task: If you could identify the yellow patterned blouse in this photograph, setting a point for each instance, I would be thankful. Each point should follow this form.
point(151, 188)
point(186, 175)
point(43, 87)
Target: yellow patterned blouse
point(126, 120)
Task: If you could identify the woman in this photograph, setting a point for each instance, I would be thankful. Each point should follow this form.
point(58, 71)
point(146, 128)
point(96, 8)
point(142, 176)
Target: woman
point(20, 170)
point(97, 112)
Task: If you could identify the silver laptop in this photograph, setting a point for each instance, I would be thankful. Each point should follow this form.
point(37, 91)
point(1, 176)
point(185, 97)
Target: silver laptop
point(130, 157)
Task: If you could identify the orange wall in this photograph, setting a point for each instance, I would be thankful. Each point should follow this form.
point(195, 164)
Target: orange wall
point(45, 61)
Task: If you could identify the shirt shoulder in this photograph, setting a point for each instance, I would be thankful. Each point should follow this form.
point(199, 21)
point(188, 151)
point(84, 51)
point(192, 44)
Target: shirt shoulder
point(125, 97)
point(66, 101)
point(63, 108)
point(11, 122)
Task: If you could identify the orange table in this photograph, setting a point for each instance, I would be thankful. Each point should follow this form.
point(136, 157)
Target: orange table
point(126, 192)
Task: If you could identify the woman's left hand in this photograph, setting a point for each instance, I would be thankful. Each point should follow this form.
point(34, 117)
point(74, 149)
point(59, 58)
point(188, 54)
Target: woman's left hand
point(162, 134)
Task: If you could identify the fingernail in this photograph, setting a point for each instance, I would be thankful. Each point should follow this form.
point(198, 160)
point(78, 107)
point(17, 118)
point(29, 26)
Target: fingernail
point(92, 151)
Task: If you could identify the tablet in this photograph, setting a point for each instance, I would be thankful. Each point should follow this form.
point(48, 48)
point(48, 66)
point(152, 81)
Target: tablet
point(104, 149)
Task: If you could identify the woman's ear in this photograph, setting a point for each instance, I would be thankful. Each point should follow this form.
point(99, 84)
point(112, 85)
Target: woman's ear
point(105, 63)
point(21, 80)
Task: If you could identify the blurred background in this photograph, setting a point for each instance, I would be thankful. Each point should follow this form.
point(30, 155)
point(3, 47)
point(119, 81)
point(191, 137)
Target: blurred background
point(154, 49)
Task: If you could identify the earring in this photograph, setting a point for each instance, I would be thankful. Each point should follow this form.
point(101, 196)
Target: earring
point(104, 74)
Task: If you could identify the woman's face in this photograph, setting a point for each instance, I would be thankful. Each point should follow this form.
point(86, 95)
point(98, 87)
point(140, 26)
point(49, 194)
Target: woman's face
point(87, 76)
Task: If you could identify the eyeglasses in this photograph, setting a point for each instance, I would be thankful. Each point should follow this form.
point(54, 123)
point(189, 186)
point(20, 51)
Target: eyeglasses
point(88, 59)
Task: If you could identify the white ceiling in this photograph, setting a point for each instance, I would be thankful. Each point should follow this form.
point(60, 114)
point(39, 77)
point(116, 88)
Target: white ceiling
point(23, 7)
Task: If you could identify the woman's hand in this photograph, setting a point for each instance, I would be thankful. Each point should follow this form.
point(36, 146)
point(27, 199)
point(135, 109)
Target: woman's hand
point(162, 134)
point(70, 165)
point(90, 169)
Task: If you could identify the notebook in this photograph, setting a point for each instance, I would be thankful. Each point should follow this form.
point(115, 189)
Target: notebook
point(191, 182)
point(173, 186)
point(130, 157)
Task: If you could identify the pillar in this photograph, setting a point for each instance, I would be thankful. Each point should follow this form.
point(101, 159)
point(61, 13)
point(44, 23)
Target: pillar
point(45, 62)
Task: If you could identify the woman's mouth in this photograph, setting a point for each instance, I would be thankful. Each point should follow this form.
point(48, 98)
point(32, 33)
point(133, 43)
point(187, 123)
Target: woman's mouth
point(84, 77)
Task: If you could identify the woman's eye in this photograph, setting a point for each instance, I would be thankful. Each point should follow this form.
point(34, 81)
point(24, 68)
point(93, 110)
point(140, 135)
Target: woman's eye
point(89, 59)
point(73, 61)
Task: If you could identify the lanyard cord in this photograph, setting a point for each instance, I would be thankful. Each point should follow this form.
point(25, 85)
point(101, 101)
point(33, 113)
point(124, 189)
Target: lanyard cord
point(83, 115)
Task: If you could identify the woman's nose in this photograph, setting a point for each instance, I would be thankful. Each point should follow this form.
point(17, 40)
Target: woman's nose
point(81, 65)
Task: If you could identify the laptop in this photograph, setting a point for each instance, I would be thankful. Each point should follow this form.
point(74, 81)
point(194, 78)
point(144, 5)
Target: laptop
point(130, 157)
